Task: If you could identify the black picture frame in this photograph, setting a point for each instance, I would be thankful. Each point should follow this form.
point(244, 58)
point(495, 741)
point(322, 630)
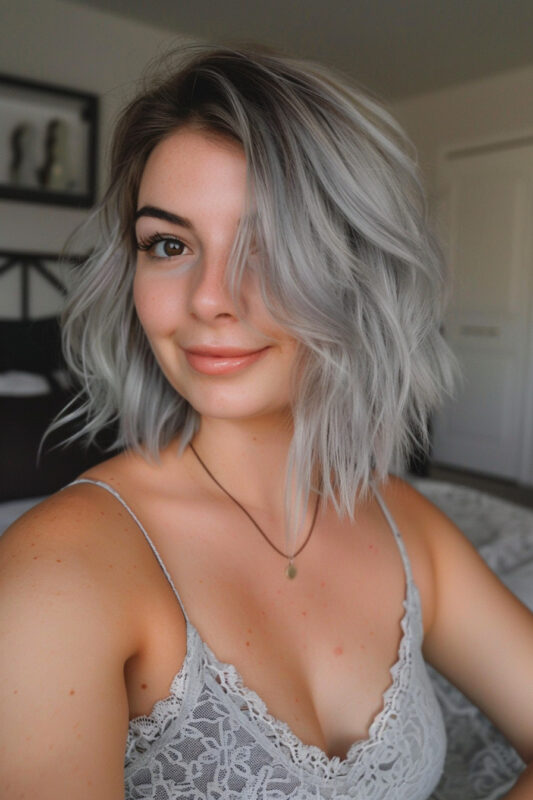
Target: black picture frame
point(48, 143)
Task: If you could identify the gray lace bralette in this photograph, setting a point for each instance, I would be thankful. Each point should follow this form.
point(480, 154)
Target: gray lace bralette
point(213, 738)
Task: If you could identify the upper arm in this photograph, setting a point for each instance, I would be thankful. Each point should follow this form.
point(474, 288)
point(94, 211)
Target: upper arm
point(481, 635)
point(62, 690)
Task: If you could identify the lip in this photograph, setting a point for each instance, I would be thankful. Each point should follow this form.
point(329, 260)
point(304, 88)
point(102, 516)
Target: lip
point(219, 352)
point(215, 361)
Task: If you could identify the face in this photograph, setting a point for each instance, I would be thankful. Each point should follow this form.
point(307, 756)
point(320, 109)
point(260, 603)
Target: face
point(191, 198)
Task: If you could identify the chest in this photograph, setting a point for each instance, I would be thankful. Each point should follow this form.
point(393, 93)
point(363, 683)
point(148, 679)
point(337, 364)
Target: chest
point(317, 650)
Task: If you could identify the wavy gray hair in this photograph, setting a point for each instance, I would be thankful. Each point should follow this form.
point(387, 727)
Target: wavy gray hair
point(347, 265)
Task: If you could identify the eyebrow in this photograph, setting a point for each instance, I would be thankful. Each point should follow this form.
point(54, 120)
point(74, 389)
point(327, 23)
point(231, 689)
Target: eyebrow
point(160, 213)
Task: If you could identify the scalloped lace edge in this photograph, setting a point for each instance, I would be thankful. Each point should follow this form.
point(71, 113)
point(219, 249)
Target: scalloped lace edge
point(278, 732)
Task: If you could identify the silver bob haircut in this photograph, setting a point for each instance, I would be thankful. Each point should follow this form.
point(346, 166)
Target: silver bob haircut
point(347, 265)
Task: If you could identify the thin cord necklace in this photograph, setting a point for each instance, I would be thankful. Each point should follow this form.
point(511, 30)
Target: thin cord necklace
point(290, 569)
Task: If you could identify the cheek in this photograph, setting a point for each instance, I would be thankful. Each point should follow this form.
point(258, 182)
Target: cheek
point(155, 303)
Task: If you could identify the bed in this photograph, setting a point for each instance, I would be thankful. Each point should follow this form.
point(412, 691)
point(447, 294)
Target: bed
point(480, 764)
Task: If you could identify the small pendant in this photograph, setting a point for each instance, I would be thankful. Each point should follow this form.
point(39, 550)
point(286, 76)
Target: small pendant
point(291, 571)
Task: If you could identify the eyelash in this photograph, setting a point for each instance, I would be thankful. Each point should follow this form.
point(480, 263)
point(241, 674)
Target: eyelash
point(151, 241)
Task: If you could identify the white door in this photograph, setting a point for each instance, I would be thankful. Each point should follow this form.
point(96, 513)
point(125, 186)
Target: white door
point(488, 213)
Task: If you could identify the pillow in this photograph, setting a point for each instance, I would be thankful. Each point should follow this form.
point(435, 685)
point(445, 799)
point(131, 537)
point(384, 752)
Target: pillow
point(21, 384)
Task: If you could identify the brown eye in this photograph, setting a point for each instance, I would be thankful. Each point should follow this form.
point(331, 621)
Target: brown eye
point(168, 248)
point(162, 246)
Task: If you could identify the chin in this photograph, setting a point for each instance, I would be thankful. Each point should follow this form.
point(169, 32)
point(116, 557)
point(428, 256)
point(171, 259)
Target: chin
point(235, 406)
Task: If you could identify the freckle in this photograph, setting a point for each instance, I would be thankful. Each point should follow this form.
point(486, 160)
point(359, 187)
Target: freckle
point(72, 691)
point(102, 514)
point(50, 746)
point(16, 691)
point(248, 630)
point(110, 566)
point(35, 558)
point(304, 613)
point(263, 613)
point(33, 544)
point(362, 647)
point(247, 644)
point(296, 699)
point(58, 560)
point(338, 651)
point(144, 686)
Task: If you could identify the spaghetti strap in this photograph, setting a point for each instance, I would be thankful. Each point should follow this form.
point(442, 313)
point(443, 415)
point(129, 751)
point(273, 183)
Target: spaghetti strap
point(398, 537)
point(132, 514)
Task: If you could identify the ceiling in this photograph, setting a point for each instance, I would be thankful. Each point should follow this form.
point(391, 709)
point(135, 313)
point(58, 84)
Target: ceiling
point(394, 47)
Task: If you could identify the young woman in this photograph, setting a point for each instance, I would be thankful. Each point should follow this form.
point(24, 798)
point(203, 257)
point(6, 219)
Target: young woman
point(237, 604)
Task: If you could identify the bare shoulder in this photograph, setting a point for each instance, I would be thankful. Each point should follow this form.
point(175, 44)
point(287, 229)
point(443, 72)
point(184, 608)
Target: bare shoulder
point(79, 538)
point(426, 531)
point(480, 634)
point(419, 520)
point(67, 630)
point(445, 563)
point(423, 522)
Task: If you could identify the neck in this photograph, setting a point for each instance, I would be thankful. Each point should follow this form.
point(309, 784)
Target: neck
point(248, 459)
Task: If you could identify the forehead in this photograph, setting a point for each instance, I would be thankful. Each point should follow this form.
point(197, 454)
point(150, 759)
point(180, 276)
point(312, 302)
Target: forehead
point(190, 165)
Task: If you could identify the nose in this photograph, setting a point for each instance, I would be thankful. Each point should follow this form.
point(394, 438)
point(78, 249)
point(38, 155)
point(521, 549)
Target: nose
point(209, 297)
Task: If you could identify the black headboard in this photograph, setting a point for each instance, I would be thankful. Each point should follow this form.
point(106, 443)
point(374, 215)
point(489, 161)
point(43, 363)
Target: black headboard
point(31, 345)
point(28, 263)
point(34, 346)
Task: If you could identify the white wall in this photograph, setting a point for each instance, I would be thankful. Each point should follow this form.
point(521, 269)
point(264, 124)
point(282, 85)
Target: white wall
point(80, 48)
point(481, 111)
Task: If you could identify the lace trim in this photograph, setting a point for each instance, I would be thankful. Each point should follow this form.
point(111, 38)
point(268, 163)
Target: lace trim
point(144, 730)
point(307, 756)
